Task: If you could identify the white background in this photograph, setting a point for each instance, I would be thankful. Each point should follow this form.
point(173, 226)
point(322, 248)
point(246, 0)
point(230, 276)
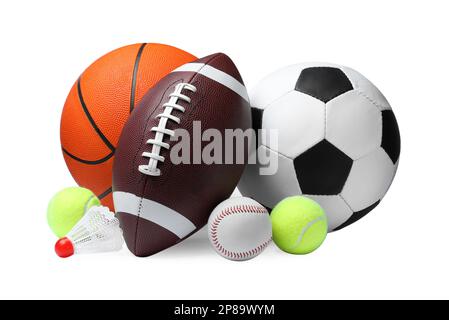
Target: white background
point(398, 251)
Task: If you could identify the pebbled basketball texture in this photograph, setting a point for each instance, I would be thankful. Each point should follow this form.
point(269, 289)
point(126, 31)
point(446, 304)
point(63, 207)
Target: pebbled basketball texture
point(99, 104)
point(157, 212)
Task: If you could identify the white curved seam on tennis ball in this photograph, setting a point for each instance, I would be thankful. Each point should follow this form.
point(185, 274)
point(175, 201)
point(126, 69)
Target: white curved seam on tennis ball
point(304, 230)
point(86, 205)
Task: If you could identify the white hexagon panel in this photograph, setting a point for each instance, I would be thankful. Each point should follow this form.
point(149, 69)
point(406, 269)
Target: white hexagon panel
point(299, 120)
point(337, 211)
point(353, 124)
point(273, 87)
point(269, 183)
point(369, 180)
point(366, 88)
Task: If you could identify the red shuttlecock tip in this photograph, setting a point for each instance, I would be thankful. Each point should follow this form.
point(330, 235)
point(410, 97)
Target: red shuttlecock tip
point(64, 248)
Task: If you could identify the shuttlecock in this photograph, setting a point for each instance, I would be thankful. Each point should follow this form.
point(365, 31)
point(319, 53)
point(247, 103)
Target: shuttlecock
point(97, 231)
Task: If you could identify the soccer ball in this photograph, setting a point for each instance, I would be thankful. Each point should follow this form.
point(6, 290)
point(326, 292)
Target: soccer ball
point(338, 141)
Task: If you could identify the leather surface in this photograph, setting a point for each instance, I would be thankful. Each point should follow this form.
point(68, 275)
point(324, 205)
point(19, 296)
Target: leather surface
point(192, 190)
point(349, 171)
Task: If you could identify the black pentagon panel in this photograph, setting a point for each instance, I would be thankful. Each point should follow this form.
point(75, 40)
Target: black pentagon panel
point(322, 170)
point(323, 83)
point(357, 216)
point(256, 116)
point(391, 139)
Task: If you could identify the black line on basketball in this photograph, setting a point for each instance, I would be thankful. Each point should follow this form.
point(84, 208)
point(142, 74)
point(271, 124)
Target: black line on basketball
point(134, 82)
point(104, 194)
point(91, 120)
point(89, 162)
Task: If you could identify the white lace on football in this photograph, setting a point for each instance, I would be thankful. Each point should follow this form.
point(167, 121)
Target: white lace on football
point(161, 130)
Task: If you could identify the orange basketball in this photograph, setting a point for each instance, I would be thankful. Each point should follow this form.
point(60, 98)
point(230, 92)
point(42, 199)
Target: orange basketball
point(99, 105)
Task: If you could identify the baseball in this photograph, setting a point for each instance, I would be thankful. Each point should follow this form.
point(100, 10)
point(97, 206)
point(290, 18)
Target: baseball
point(239, 229)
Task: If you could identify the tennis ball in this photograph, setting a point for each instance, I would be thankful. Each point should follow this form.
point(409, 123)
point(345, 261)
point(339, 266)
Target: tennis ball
point(299, 225)
point(67, 207)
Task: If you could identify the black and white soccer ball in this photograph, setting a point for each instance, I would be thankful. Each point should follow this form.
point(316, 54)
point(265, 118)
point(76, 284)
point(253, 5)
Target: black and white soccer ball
point(338, 141)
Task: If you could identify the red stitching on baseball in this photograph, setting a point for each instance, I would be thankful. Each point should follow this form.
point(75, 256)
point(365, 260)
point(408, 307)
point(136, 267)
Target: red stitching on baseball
point(230, 211)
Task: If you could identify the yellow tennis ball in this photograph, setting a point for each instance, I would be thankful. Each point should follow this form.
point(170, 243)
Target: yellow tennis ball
point(67, 207)
point(299, 225)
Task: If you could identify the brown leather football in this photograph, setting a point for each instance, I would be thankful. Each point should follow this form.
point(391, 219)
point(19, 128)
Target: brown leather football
point(158, 202)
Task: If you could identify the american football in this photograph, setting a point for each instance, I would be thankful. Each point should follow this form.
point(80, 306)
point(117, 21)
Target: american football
point(160, 203)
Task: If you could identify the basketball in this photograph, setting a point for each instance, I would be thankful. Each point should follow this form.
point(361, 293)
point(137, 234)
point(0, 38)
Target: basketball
point(99, 104)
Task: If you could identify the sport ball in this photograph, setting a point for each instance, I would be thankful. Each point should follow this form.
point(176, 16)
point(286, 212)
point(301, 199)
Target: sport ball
point(338, 141)
point(67, 207)
point(99, 104)
point(160, 203)
point(239, 229)
point(299, 225)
